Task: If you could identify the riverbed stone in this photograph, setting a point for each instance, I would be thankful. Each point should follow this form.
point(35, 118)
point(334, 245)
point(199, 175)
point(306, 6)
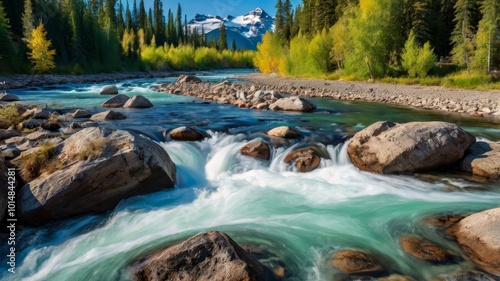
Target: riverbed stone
point(116, 101)
point(81, 113)
point(304, 159)
point(184, 79)
point(208, 256)
point(7, 134)
point(284, 132)
point(483, 159)
point(355, 262)
point(293, 104)
point(33, 123)
point(51, 126)
point(10, 153)
point(256, 149)
point(388, 147)
point(9, 97)
point(186, 134)
point(423, 249)
point(109, 90)
point(108, 115)
point(138, 101)
point(98, 168)
point(479, 237)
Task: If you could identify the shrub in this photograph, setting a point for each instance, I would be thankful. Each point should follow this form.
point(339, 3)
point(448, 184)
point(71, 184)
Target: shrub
point(417, 61)
point(38, 162)
point(92, 151)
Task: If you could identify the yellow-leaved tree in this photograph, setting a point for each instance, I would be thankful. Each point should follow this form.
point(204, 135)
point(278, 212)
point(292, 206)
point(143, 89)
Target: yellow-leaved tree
point(40, 53)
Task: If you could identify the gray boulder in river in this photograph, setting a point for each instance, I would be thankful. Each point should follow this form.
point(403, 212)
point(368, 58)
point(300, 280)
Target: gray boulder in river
point(138, 102)
point(98, 168)
point(483, 159)
point(387, 147)
point(293, 104)
point(208, 256)
point(109, 90)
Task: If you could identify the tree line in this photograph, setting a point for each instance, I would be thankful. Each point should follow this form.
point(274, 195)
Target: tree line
point(93, 35)
point(377, 38)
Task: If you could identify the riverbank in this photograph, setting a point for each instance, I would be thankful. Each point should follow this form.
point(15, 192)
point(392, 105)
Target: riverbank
point(457, 101)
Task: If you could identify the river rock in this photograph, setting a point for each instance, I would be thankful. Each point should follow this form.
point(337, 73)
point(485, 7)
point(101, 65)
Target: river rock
point(184, 79)
point(483, 159)
point(293, 104)
point(284, 132)
point(51, 126)
point(109, 90)
point(305, 159)
point(263, 95)
point(100, 167)
point(108, 115)
point(7, 134)
point(37, 113)
point(9, 97)
point(355, 262)
point(186, 134)
point(116, 101)
point(479, 237)
point(256, 149)
point(138, 102)
point(33, 123)
point(423, 250)
point(387, 147)
point(396, 277)
point(10, 153)
point(208, 256)
point(81, 113)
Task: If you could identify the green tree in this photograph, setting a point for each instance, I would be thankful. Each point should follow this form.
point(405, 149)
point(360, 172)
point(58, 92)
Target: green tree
point(463, 34)
point(28, 19)
point(222, 38)
point(120, 22)
point(178, 24)
point(233, 46)
point(159, 23)
point(416, 60)
point(6, 49)
point(40, 53)
point(142, 17)
point(487, 35)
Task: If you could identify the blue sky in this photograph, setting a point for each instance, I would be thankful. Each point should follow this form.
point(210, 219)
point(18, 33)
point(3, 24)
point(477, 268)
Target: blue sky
point(216, 7)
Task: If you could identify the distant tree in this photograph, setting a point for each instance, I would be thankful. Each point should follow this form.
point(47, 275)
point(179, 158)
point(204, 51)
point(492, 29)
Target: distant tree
point(149, 28)
point(159, 23)
point(222, 38)
point(6, 50)
point(178, 24)
point(120, 22)
point(142, 16)
point(486, 37)
point(28, 19)
point(463, 34)
point(40, 53)
point(288, 21)
point(279, 23)
point(233, 46)
point(416, 60)
point(129, 23)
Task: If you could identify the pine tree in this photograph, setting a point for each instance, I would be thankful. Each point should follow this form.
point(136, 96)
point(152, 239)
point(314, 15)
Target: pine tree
point(142, 17)
point(222, 38)
point(120, 22)
point(135, 16)
point(28, 20)
point(149, 28)
point(233, 46)
point(40, 53)
point(6, 49)
point(178, 24)
point(287, 26)
point(486, 37)
point(463, 33)
point(172, 34)
point(279, 23)
point(128, 18)
point(159, 23)
point(110, 13)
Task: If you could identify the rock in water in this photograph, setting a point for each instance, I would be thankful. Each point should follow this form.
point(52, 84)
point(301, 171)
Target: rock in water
point(293, 104)
point(305, 159)
point(138, 102)
point(108, 115)
point(116, 101)
point(109, 90)
point(479, 237)
point(186, 134)
point(101, 167)
point(183, 79)
point(284, 132)
point(423, 250)
point(387, 147)
point(483, 159)
point(355, 262)
point(256, 149)
point(208, 256)
point(8, 97)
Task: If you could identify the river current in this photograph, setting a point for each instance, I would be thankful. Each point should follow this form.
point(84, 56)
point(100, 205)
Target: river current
point(298, 220)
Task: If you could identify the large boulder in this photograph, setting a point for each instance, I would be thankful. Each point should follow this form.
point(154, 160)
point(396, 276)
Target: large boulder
point(284, 132)
point(109, 90)
point(256, 149)
point(98, 167)
point(116, 101)
point(183, 79)
point(8, 97)
point(81, 113)
point(138, 102)
point(293, 104)
point(304, 159)
point(108, 115)
point(387, 147)
point(186, 134)
point(423, 249)
point(355, 262)
point(208, 256)
point(483, 159)
point(479, 237)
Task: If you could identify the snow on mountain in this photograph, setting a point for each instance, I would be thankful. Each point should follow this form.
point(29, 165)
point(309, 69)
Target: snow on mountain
point(251, 26)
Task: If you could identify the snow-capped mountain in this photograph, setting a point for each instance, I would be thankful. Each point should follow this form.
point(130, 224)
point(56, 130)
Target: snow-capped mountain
point(246, 30)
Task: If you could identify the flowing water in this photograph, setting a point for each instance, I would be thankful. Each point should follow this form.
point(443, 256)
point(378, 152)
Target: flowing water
point(298, 220)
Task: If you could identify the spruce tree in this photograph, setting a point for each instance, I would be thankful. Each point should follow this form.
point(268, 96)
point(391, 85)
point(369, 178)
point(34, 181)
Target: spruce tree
point(287, 26)
point(159, 23)
point(142, 16)
point(120, 22)
point(279, 23)
point(128, 18)
point(487, 37)
point(149, 28)
point(463, 34)
point(28, 19)
point(6, 49)
point(222, 38)
point(233, 46)
point(178, 24)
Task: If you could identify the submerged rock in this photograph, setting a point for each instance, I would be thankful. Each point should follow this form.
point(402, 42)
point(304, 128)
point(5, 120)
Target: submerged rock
point(305, 159)
point(109, 90)
point(183, 79)
point(387, 147)
point(208, 256)
point(116, 101)
point(483, 159)
point(257, 149)
point(186, 134)
point(293, 104)
point(108, 115)
point(355, 262)
point(9, 97)
point(138, 102)
point(96, 168)
point(284, 132)
point(479, 237)
point(424, 250)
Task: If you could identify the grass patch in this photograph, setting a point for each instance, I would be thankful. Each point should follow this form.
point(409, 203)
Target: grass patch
point(92, 151)
point(427, 81)
point(11, 114)
point(43, 160)
point(471, 81)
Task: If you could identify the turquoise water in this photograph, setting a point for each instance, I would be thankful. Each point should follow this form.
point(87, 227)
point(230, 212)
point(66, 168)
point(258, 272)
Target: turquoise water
point(300, 219)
